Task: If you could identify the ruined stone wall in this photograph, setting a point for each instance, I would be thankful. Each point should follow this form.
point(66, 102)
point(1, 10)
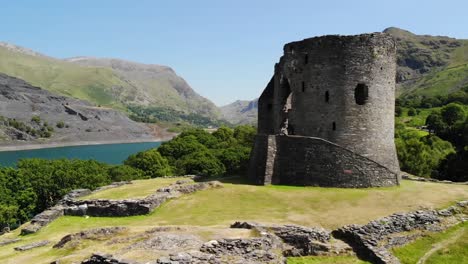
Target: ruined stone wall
point(307, 161)
point(342, 89)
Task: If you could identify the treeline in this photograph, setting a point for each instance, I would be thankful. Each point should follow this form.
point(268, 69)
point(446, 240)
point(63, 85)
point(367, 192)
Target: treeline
point(418, 101)
point(158, 114)
point(441, 151)
point(37, 184)
point(197, 152)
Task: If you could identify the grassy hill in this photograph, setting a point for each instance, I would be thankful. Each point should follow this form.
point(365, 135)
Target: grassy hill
point(107, 82)
point(205, 215)
point(429, 65)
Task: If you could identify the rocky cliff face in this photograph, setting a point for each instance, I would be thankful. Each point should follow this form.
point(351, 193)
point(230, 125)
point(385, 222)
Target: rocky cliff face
point(29, 113)
point(241, 112)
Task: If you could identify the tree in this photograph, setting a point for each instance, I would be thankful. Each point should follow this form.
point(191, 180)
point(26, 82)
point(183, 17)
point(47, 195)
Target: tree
point(398, 111)
point(452, 113)
point(411, 112)
point(179, 147)
point(202, 163)
point(205, 138)
point(235, 159)
point(125, 173)
point(150, 162)
point(245, 135)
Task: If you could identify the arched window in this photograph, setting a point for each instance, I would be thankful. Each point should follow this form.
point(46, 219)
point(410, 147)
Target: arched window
point(361, 93)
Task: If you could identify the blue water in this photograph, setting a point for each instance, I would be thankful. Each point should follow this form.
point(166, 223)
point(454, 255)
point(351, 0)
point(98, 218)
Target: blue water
point(108, 153)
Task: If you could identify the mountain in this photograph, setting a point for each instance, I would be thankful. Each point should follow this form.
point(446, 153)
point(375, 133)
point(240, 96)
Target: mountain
point(426, 66)
point(241, 112)
point(35, 115)
point(429, 65)
point(107, 82)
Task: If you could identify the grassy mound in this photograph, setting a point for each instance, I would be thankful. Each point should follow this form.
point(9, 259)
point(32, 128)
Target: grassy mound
point(210, 212)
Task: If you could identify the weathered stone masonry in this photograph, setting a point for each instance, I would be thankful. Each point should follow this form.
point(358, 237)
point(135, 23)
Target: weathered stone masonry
point(326, 118)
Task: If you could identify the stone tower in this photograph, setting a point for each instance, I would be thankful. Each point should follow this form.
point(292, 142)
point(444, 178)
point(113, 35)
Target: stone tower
point(326, 118)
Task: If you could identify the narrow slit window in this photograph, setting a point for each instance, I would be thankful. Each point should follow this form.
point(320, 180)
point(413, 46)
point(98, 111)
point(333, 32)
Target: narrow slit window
point(361, 93)
point(303, 87)
point(306, 59)
point(327, 96)
point(334, 126)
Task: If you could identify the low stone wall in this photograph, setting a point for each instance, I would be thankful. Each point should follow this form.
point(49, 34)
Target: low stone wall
point(129, 207)
point(46, 217)
point(32, 245)
point(372, 241)
point(308, 161)
point(69, 205)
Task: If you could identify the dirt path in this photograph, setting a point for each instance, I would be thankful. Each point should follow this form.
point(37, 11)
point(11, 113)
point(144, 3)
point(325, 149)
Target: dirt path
point(441, 245)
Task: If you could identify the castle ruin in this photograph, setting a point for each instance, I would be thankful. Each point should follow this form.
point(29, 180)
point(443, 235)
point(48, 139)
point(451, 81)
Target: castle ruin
point(326, 118)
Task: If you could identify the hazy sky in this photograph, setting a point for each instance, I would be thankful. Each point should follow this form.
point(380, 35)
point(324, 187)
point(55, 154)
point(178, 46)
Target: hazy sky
point(225, 50)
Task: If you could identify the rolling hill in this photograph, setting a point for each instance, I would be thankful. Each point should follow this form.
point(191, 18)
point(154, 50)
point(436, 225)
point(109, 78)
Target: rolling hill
point(107, 82)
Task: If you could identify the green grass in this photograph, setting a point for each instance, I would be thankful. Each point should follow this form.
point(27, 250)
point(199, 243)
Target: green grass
point(326, 260)
point(138, 189)
point(454, 252)
point(440, 82)
point(216, 208)
point(417, 120)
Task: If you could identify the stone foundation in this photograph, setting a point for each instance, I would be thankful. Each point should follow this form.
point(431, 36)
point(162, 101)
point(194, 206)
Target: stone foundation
point(308, 161)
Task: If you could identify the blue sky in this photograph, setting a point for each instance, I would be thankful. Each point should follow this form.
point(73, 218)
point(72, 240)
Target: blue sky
point(226, 50)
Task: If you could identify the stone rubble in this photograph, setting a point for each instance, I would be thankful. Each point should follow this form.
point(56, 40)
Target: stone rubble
point(98, 233)
point(9, 241)
point(32, 245)
point(373, 240)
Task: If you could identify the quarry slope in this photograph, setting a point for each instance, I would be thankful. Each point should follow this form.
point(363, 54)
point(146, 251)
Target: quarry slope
point(24, 108)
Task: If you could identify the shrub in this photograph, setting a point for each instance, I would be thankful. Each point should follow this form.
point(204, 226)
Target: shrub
point(36, 119)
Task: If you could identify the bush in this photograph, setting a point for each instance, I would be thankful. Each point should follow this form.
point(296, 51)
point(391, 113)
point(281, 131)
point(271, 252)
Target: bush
point(60, 124)
point(150, 162)
point(36, 119)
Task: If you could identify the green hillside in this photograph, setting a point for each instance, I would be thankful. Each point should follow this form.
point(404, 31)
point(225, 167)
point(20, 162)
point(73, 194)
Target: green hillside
point(429, 65)
point(101, 82)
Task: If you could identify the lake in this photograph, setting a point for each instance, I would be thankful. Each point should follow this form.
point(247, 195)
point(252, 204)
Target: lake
point(108, 153)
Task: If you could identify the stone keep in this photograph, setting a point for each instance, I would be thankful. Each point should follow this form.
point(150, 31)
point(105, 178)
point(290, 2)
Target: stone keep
point(326, 118)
